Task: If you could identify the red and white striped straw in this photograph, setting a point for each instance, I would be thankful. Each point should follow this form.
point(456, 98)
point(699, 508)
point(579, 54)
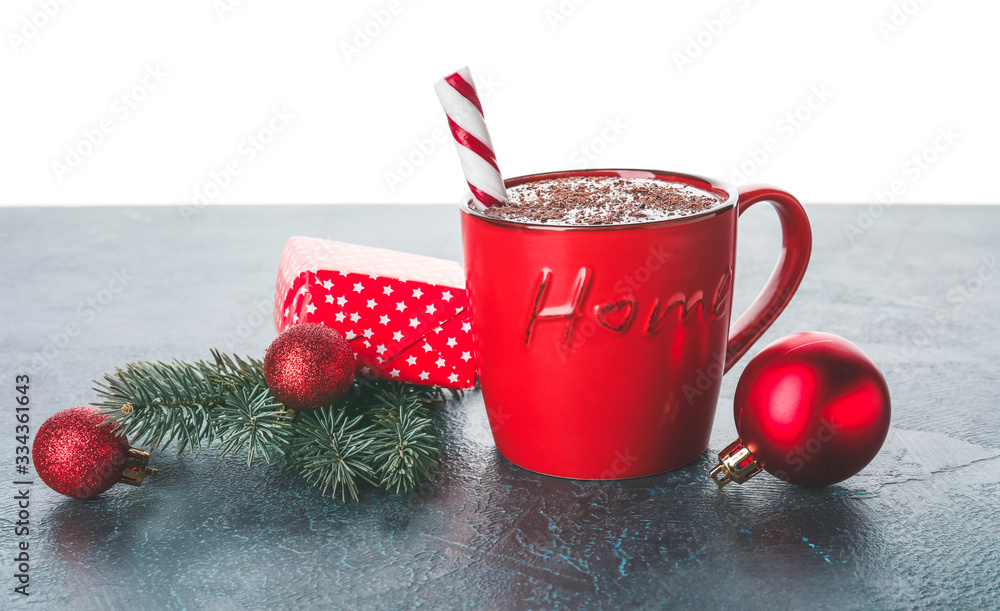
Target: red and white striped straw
point(458, 96)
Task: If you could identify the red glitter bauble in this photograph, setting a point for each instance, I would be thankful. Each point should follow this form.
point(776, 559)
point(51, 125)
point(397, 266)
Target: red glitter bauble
point(76, 455)
point(811, 409)
point(309, 366)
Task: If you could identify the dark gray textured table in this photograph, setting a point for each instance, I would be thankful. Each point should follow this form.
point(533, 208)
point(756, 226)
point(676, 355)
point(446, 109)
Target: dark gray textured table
point(918, 291)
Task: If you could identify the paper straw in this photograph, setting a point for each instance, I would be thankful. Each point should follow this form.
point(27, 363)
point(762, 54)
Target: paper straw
point(460, 101)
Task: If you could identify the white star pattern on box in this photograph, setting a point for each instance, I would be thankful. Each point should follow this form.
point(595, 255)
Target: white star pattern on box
point(360, 291)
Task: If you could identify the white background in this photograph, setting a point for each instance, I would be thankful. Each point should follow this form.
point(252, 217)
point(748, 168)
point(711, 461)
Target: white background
point(700, 87)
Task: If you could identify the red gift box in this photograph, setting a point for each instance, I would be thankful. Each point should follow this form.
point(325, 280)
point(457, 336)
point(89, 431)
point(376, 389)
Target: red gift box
point(406, 316)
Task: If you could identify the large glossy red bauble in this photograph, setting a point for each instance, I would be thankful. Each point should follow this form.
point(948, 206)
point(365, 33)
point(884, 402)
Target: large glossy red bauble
point(76, 455)
point(812, 409)
point(309, 366)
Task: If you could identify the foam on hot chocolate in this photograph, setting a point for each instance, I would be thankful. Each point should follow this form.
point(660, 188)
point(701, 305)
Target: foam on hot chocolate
point(602, 200)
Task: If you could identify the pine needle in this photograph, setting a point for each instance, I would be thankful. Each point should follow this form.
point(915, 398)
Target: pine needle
point(166, 403)
point(331, 451)
point(405, 451)
point(252, 421)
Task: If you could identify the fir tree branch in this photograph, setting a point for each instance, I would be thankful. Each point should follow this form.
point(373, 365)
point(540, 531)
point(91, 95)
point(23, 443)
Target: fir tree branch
point(233, 371)
point(404, 451)
point(381, 433)
point(252, 421)
point(158, 403)
point(405, 448)
point(331, 451)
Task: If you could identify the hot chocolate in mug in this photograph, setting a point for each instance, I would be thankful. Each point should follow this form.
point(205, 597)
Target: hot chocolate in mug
point(601, 348)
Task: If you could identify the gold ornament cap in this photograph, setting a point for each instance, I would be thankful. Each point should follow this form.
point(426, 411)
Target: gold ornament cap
point(736, 464)
point(136, 467)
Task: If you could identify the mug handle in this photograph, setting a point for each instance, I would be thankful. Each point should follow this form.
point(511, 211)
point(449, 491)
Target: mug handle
point(796, 245)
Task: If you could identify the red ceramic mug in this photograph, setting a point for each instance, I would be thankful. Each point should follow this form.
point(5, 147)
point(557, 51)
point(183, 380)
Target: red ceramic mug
point(601, 349)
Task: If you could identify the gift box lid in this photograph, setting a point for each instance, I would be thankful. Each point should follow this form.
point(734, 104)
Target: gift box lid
point(396, 309)
point(313, 254)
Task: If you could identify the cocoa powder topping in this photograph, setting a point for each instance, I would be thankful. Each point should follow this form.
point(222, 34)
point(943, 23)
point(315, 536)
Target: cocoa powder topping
point(598, 200)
